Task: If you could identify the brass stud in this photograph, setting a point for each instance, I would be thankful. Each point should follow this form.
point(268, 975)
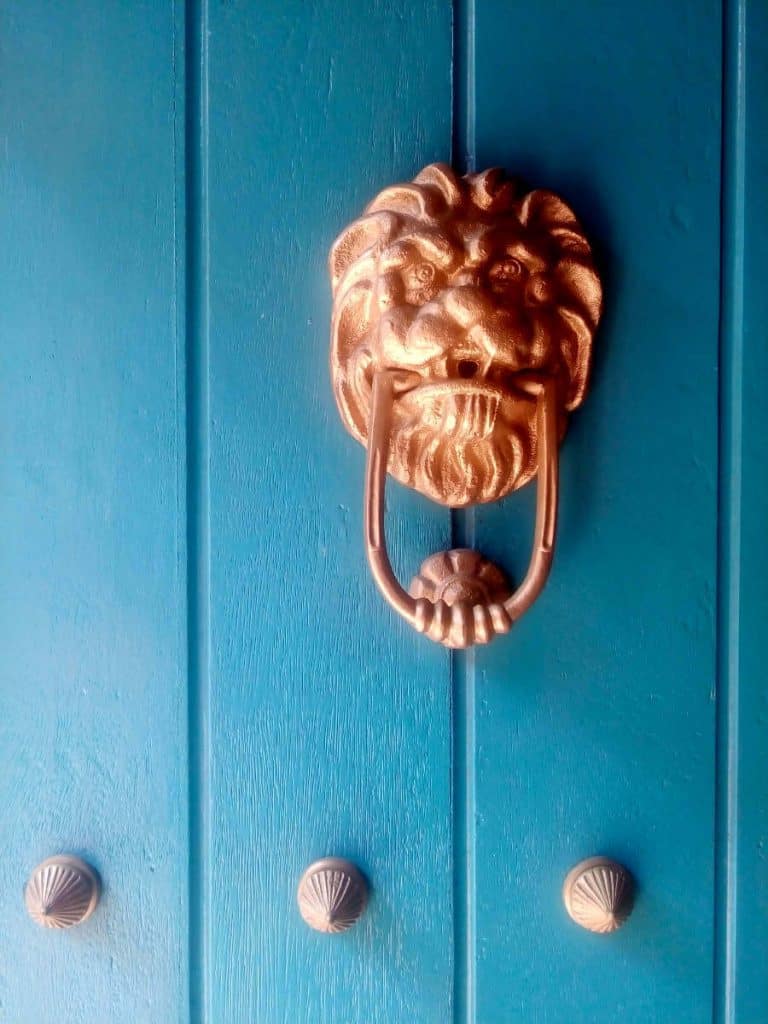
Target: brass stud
point(332, 895)
point(598, 894)
point(62, 892)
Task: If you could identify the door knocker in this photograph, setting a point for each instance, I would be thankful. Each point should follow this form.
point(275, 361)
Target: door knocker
point(461, 335)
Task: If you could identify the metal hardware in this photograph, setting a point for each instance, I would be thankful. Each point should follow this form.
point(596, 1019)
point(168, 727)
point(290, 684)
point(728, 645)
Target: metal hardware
point(461, 337)
point(61, 892)
point(332, 895)
point(599, 894)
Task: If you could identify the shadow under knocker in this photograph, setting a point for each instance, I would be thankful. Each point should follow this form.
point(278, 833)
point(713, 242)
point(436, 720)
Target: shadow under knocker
point(463, 318)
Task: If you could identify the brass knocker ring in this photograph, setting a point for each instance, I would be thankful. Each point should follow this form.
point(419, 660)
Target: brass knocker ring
point(469, 604)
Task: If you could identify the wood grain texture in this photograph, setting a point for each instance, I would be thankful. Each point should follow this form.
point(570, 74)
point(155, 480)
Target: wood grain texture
point(174, 174)
point(92, 721)
point(329, 718)
point(595, 717)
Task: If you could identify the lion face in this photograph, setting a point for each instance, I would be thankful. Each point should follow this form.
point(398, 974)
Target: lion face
point(469, 292)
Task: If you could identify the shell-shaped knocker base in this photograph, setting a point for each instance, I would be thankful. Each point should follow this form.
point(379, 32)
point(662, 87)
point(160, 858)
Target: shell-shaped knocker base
point(61, 892)
point(460, 575)
point(332, 895)
point(472, 587)
point(599, 894)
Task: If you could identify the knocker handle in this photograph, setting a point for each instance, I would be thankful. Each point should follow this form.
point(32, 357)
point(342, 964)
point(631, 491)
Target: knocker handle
point(471, 611)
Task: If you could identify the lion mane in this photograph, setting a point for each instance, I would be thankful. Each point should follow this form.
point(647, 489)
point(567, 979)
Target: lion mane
point(463, 285)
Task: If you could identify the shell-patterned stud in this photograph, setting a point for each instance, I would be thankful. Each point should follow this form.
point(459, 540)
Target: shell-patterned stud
point(473, 587)
point(61, 892)
point(332, 895)
point(599, 894)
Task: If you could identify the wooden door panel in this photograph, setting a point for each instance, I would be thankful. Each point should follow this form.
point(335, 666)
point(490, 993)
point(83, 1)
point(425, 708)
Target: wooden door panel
point(328, 720)
point(202, 690)
point(93, 720)
point(595, 728)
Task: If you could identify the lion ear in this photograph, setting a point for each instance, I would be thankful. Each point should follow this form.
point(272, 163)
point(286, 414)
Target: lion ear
point(408, 200)
point(444, 179)
point(544, 211)
point(433, 188)
point(579, 286)
point(576, 353)
point(361, 236)
point(577, 278)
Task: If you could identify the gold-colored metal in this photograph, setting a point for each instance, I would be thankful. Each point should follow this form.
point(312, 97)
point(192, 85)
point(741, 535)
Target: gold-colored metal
point(461, 337)
point(599, 894)
point(451, 619)
point(460, 575)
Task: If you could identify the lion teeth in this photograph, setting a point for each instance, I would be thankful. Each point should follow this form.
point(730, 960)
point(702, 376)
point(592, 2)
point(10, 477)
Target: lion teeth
point(464, 417)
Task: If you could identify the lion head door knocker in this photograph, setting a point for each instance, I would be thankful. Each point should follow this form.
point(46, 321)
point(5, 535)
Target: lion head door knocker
point(463, 316)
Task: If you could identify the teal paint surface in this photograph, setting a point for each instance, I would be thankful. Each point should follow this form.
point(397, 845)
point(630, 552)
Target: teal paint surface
point(329, 721)
point(202, 690)
point(595, 727)
point(92, 603)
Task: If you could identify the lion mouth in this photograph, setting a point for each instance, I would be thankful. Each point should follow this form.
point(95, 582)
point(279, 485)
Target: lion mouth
point(458, 409)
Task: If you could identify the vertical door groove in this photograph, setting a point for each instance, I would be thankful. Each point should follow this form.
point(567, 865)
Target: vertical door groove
point(730, 494)
point(463, 535)
point(198, 491)
point(741, 823)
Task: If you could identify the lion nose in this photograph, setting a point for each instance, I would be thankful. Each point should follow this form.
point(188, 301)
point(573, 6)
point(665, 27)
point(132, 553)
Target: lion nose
point(466, 305)
point(467, 278)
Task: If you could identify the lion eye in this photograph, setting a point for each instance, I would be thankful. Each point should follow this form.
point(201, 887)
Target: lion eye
point(506, 270)
point(421, 282)
point(423, 274)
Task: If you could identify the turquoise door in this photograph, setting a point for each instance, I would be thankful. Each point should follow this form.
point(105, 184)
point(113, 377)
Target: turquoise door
point(202, 690)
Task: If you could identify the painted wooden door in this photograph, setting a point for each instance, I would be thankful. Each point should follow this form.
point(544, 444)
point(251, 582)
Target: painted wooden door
point(202, 691)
